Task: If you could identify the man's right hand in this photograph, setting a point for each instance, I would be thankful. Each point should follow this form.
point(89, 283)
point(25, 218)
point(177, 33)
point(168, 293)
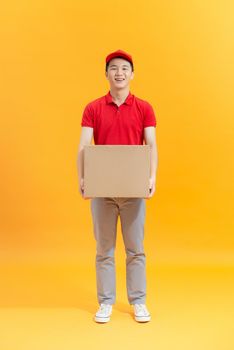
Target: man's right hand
point(81, 188)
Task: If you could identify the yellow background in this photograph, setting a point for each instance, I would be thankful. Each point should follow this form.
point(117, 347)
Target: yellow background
point(51, 65)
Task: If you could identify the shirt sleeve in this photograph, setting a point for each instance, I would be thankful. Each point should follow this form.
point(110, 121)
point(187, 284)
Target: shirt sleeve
point(149, 116)
point(87, 117)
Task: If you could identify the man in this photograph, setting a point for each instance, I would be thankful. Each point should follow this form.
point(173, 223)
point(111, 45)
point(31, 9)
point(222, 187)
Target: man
point(119, 117)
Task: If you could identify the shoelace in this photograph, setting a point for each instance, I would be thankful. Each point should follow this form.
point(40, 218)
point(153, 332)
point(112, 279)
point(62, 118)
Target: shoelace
point(104, 307)
point(141, 308)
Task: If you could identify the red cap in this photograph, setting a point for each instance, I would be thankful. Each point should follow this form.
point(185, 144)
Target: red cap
point(119, 53)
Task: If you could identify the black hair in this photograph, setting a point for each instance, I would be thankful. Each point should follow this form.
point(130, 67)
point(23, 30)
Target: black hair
point(107, 64)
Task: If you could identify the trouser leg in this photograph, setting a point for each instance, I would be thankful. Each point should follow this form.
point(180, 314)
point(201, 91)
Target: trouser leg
point(105, 215)
point(132, 216)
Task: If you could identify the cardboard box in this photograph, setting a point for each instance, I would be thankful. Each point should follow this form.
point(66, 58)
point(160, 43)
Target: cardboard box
point(116, 171)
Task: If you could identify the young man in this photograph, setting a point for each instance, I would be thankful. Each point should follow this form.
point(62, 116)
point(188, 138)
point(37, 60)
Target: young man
point(119, 118)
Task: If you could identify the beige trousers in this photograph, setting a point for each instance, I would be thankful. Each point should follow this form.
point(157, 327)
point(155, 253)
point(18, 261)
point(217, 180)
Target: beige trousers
point(105, 212)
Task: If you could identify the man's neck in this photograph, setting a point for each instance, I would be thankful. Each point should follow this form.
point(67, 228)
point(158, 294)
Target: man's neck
point(120, 95)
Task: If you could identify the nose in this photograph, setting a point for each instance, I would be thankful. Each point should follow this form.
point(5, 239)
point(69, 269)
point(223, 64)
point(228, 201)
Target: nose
point(119, 71)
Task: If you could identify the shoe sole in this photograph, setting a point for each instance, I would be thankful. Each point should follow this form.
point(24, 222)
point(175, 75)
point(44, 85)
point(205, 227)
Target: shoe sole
point(142, 318)
point(101, 319)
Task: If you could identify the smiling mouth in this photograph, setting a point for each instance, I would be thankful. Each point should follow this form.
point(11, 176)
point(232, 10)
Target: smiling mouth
point(119, 79)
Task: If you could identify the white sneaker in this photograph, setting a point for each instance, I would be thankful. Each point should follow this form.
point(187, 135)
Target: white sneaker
point(141, 313)
point(103, 313)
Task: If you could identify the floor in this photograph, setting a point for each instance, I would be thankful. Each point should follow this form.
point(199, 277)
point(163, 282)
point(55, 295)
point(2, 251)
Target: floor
point(51, 306)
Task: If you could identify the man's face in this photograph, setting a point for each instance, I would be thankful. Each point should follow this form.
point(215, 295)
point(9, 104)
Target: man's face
point(119, 73)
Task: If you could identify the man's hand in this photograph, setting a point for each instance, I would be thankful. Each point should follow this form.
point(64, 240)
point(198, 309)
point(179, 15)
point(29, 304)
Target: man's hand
point(81, 188)
point(152, 186)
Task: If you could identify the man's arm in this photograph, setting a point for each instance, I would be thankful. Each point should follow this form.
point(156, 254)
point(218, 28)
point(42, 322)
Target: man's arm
point(85, 139)
point(150, 139)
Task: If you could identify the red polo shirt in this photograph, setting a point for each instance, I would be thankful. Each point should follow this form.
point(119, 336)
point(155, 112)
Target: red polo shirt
point(118, 125)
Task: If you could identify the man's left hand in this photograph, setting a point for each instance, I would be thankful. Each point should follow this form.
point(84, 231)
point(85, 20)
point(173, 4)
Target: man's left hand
point(152, 186)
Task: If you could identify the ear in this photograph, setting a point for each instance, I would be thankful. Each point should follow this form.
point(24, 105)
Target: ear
point(132, 75)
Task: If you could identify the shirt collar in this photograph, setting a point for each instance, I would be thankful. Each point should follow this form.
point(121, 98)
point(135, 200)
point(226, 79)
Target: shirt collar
point(127, 101)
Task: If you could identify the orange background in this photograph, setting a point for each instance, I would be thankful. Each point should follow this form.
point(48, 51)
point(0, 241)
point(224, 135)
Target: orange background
point(51, 65)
